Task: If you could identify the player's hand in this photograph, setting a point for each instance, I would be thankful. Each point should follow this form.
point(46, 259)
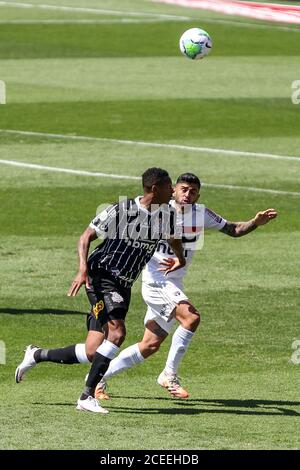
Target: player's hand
point(80, 279)
point(264, 217)
point(171, 264)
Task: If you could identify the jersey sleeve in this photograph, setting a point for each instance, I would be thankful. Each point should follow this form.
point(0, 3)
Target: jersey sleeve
point(104, 222)
point(213, 220)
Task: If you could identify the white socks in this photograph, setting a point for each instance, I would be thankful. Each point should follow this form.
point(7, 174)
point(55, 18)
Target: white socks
point(108, 349)
point(129, 357)
point(180, 342)
point(132, 356)
point(81, 354)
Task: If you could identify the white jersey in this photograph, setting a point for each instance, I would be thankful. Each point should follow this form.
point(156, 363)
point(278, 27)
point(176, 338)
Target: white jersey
point(192, 225)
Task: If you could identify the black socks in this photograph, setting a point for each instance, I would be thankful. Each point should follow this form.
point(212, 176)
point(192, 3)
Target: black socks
point(60, 356)
point(99, 367)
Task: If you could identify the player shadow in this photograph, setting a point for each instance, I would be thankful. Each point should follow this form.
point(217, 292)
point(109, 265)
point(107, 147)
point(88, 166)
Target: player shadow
point(70, 405)
point(198, 406)
point(35, 311)
point(199, 411)
point(246, 403)
point(222, 401)
point(223, 406)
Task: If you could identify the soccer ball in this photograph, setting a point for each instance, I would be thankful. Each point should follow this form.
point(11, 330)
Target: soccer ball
point(195, 43)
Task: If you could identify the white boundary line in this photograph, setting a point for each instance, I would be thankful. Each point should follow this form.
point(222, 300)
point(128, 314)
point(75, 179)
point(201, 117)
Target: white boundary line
point(95, 11)
point(146, 21)
point(119, 21)
point(33, 166)
point(227, 152)
point(158, 16)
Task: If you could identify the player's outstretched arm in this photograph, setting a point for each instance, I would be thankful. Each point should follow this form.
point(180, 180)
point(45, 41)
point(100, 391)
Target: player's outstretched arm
point(83, 249)
point(174, 263)
point(239, 229)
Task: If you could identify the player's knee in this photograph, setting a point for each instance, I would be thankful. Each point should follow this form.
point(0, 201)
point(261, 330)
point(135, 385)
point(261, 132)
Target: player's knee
point(119, 339)
point(192, 322)
point(153, 346)
point(90, 351)
point(90, 355)
point(117, 336)
point(147, 348)
point(196, 320)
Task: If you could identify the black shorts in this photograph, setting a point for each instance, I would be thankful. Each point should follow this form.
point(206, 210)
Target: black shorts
point(109, 300)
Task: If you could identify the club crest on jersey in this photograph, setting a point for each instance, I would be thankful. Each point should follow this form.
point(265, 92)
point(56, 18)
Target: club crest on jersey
point(97, 308)
point(115, 272)
point(116, 297)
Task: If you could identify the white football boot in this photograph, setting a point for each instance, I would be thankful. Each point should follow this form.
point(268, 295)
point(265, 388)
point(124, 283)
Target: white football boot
point(27, 363)
point(90, 404)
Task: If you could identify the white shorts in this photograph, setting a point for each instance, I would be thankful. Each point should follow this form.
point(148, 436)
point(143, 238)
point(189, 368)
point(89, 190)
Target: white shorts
point(161, 299)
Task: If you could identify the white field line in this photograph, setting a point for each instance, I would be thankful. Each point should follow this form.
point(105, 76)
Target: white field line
point(112, 21)
point(96, 11)
point(70, 171)
point(159, 17)
point(145, 21)
point(225, 152)
point(33, 166)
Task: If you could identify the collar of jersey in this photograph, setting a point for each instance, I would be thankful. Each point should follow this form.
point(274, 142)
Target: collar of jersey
point(137, 201)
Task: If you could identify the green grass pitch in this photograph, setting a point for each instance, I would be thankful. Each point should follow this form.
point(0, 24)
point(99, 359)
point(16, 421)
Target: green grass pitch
point(121, 77)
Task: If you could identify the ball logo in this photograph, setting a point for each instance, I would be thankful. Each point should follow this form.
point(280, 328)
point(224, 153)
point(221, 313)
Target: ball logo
point(98, 308)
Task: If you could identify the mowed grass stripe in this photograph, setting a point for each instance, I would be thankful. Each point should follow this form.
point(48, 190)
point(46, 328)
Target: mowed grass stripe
point(122, 177)
point(141, 21)
point(226, 152)
point(61, 80)
point(137, 40)
point(176, 121)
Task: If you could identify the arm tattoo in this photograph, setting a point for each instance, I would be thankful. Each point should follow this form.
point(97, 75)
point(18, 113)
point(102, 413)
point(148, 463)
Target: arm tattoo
point(239, 229)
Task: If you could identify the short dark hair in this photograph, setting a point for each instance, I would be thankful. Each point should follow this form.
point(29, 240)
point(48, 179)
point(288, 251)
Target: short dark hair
point(154, 176)
point(189, 178)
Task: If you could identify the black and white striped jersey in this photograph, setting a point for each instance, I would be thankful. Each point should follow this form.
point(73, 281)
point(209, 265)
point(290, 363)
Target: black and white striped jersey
point(131, 234)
